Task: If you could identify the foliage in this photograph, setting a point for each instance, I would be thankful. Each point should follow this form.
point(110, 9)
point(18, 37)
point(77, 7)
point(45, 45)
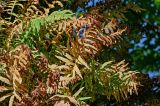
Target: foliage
point(157, 3)
point(50, 55)
point(144, 49)
point(112, 80)
point(39, 24)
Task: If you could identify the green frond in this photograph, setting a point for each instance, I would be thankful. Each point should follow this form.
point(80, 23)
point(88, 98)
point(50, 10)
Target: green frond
point(134, 7)
point(111, 80)
point(32, 34)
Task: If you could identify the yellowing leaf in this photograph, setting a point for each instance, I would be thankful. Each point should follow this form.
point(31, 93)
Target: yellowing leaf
point(105, 64)
point(3, 88)
point(58, 2)
point(5, 96)
point(83, 62)
point(5, 80)
point(60, 27)
point(68, 62)
point(78, 92)
point(17, 96)
point(74, 101)
point(88, 51)
point(64, 67)
point(76, 69)
point(88, 45)
point(71, 99)
point(120, 63)
point(68, 56)
point(11, 100)
point(53, 66)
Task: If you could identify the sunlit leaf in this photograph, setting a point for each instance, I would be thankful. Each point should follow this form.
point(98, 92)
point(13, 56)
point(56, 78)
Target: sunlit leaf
point(5, 96)
point(68, 62)
point(78, 92)
point(84, 98)
point(105, 64)
point(4, 88)
point(68, 56)
point(5, 80)
point(11, 100)
point(17, 95)
point(82, 62)
point(76, 69)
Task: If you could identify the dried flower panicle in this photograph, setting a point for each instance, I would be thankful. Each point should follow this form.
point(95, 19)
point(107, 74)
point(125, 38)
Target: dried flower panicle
point(26, 101)
point(42, 63)
point(39, 91)
point(36, 97)
point(53, 80)
point(20, 58)
point(75, 79)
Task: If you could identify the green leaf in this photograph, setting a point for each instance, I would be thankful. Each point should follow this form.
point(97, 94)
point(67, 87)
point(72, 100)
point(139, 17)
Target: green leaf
point(105, 64)
point(78, 92)
point(84, 98)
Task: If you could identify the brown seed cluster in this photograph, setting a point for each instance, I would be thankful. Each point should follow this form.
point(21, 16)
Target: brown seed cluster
point(75, 79)
point(40, 90)
point(53, 80)
point(36, 97)
point(42, 63)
